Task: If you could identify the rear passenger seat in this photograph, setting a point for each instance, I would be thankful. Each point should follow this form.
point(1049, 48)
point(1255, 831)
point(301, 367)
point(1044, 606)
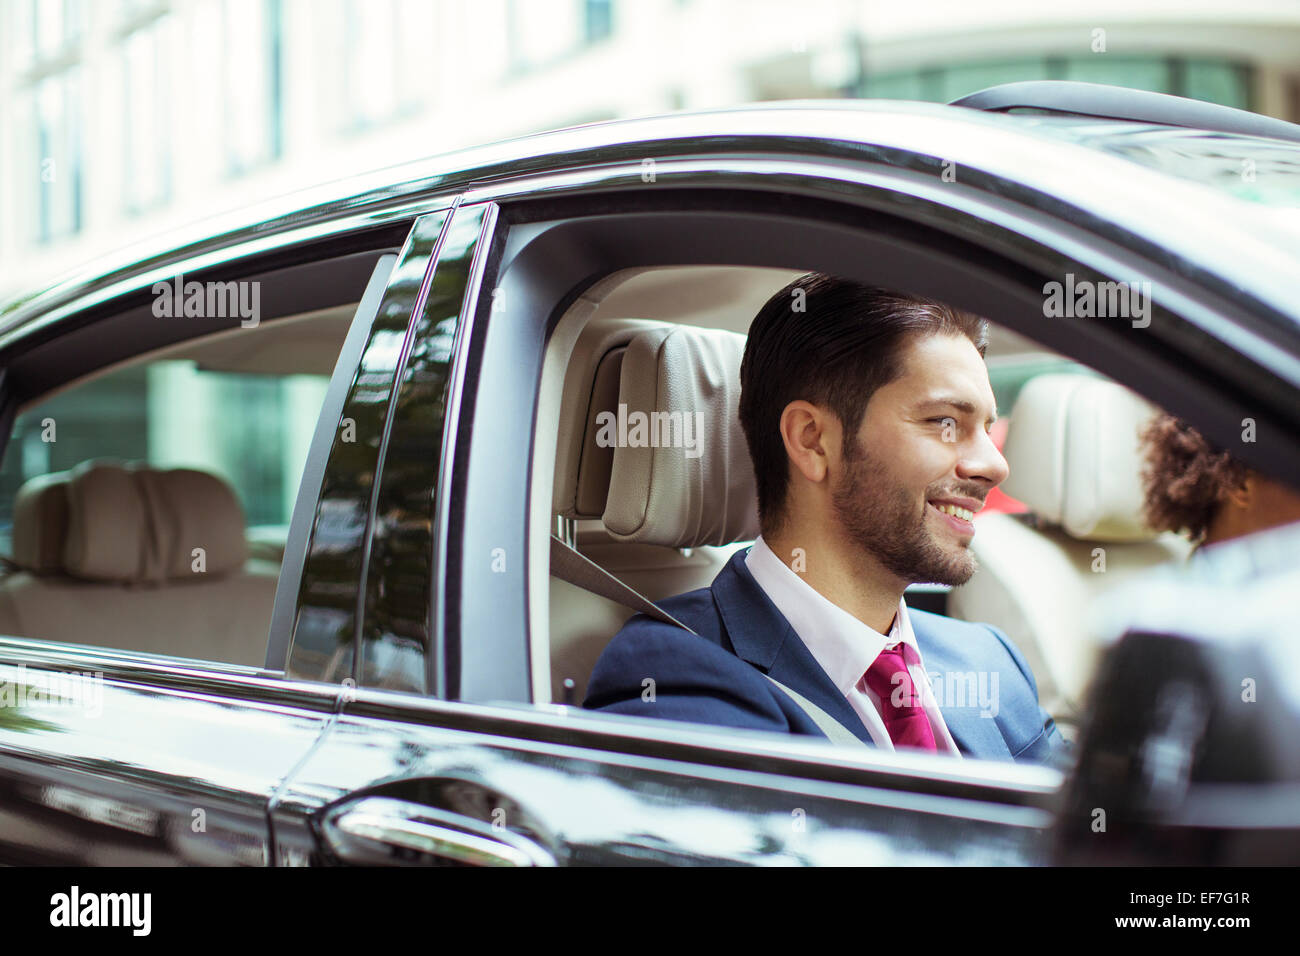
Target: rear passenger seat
point(107, 557)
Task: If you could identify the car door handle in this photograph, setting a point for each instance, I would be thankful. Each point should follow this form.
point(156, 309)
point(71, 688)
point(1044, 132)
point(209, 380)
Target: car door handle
point(378, 830)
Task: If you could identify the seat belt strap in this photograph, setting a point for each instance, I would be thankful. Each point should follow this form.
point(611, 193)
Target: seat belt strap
point(569, 564)
point(832, 728)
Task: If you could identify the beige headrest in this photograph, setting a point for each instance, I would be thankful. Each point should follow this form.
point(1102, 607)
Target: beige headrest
point(134, 523)
point(41, 523)
point(681, 473)
point(1075, 457)
point(591, 383)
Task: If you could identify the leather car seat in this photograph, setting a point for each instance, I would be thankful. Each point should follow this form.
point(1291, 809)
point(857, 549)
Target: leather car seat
point(661, 520)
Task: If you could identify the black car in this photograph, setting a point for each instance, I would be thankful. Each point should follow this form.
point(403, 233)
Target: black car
point(287, 500)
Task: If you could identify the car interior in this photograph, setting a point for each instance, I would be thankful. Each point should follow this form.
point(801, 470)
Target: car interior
point(669, 340)
point(665, 340)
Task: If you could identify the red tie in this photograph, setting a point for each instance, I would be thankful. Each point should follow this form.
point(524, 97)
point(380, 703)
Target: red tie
point(900, 707)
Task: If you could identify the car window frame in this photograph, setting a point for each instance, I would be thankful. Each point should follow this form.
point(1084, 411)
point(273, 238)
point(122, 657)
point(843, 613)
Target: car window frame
point(304, 508)
point(454, 270)
point(240, 261)
point(426, 295)
point(571, 194)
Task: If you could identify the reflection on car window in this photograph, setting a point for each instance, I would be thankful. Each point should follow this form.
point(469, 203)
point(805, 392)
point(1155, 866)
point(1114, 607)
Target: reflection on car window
point(251, 430)
point(1258, 170)
point(145, 509)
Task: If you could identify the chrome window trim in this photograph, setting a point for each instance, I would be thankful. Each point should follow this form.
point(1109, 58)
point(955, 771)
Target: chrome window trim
point(172, 673)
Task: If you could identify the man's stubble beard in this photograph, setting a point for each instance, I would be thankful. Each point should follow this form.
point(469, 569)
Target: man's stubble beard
point(881, 519)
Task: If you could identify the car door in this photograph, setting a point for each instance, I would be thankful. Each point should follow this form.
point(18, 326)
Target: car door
point(467, 765)
point(112, 757)
point(436, 758)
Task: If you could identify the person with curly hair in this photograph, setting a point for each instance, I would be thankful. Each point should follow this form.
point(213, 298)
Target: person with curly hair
point(1196, 489)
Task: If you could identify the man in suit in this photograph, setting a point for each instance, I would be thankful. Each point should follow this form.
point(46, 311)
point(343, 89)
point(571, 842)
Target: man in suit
point(866, 412)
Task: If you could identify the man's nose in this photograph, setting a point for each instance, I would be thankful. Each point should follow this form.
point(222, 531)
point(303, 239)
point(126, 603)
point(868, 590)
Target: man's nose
point(983, 461)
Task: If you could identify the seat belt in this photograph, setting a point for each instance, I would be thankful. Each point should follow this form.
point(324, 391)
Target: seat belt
point(832, 728)
point(571, 565)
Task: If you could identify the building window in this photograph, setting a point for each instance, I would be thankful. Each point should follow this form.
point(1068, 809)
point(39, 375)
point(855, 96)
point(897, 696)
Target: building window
point(383, 49)
point(1217, 81)
point(58, 156)
point(542, 33)
point(47, 92)
point(147, 179)
point(252, 38)
point(597, 20)
point(56, 27)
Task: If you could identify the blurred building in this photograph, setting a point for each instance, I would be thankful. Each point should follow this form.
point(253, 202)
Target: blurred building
point(124, 118)
point(120, 119)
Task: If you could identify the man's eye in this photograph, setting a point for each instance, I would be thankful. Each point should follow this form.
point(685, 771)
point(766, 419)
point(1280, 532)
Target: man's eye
point(946, 420)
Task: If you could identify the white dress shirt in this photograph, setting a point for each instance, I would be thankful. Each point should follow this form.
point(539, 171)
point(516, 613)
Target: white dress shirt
point(844, 646)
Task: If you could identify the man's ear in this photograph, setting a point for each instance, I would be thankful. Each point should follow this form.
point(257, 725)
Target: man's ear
point(812, 439)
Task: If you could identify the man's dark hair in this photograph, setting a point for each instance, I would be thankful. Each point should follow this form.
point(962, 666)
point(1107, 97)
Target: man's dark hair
point(831, 342)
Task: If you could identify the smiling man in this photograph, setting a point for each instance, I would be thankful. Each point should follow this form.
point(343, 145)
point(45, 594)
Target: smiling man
point(867, 414)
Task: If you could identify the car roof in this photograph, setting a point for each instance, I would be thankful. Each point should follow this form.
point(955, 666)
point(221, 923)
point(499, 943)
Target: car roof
point(1028, 154)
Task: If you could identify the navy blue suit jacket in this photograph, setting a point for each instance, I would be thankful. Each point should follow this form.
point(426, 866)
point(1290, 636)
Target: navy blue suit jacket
point(714, 678)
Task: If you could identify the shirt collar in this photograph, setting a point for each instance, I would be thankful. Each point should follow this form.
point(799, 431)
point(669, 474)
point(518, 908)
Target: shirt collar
point(841, 644)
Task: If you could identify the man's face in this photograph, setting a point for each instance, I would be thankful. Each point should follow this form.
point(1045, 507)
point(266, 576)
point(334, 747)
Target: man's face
point(922, 448)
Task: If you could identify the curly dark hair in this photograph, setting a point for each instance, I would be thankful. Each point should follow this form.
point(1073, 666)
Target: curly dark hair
point(1186, 477)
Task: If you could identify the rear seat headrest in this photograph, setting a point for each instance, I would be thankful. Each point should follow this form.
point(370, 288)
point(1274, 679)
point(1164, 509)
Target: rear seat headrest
point(128, 523)
point(41, 523)
point(1075, 456)
point(681, 474)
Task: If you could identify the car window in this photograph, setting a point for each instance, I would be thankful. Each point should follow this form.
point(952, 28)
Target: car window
point(531, 444)
point(1040, 566)
point(246, 428)
point(1009, 374)
point(145, 508)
